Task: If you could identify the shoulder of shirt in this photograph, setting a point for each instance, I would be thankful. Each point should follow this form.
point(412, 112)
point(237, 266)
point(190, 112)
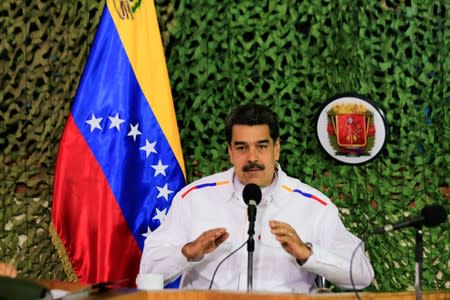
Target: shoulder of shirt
point(220, 179)
point(301, 189)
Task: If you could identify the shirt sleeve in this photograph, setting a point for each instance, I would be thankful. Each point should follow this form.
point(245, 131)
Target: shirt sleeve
point(162, 248)
point(339, 255)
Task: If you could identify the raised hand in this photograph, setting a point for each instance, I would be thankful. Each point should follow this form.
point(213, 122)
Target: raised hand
point(207, 242)
point(289, 240)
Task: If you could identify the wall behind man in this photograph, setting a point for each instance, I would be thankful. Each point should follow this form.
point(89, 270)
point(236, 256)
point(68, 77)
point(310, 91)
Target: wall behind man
point(291, 55)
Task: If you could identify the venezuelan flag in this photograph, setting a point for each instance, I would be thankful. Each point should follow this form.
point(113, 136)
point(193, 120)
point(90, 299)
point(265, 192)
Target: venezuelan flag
point(119, 162)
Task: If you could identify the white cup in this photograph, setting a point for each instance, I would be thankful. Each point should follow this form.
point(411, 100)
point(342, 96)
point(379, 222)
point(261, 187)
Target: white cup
point(150, 281)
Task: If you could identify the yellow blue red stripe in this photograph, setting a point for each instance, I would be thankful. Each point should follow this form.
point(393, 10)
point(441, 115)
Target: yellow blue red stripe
point(119, 163)
point(149, 66)
point(308, 195)
point(204, 185)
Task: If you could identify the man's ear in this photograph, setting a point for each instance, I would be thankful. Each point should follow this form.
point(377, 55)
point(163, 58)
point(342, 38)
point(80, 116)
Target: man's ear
point(277, 149)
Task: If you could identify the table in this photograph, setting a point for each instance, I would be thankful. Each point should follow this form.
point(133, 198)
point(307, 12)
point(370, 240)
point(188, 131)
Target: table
point(171, 294)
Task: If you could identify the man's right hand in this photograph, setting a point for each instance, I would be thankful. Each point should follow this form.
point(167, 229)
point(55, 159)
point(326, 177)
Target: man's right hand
point(207, 242)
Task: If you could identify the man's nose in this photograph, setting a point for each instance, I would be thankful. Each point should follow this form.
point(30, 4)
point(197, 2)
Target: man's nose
point(252, 154)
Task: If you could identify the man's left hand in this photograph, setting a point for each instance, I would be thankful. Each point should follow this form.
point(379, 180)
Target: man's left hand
point(289, 240)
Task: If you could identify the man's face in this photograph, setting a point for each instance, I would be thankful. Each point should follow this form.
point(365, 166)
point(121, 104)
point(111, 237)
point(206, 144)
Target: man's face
point(253, 154)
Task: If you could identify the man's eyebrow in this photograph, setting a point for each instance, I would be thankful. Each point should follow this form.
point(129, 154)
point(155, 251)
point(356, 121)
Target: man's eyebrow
point(240, 143)
point(263, 141)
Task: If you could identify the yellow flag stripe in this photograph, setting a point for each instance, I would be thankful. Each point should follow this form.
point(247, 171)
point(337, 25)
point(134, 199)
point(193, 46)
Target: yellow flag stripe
point(141, 38)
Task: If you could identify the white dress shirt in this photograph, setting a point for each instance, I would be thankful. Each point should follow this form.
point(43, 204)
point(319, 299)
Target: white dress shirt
point(214, 201)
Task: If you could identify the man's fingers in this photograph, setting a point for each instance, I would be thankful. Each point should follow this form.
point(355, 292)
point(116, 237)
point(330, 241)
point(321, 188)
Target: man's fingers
point(211, 239)
point(283, 230)
point(216, 232)
point(222, 238)
point(205, 243)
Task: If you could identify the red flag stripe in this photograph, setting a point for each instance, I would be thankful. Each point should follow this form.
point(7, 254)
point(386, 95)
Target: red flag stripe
point(73, 205)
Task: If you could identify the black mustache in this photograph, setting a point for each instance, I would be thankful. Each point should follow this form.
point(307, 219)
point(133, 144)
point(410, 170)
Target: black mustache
point(252, 166)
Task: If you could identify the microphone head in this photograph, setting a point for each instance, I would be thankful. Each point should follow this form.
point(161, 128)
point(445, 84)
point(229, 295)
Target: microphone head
point(251, 192)
point(433, 215)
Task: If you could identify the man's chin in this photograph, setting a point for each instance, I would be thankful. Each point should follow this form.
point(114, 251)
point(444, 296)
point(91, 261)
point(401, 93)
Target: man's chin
point(254, 179)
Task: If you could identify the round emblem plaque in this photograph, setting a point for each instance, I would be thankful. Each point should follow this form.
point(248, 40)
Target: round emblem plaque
point(351, 128)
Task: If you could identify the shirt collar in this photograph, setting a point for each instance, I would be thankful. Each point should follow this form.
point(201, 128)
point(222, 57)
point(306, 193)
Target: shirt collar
point(266, 191)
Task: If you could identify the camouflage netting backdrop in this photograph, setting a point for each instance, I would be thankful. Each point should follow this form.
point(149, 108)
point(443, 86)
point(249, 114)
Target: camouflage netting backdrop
point(292, 55)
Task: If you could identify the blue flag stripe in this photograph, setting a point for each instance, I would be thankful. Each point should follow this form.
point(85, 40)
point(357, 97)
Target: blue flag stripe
point(109, 90)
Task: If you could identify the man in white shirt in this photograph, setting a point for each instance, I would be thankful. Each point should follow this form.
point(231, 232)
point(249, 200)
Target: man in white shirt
point(298, 232)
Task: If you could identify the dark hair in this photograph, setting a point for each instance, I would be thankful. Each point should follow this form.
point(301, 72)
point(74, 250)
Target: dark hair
point(252, 114)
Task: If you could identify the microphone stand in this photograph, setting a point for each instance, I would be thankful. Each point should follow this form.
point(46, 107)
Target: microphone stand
point(419, 260)
point(250, 246)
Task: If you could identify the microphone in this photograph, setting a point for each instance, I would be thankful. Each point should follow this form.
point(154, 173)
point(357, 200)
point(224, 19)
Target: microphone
point(252, 196)
point(430, 216)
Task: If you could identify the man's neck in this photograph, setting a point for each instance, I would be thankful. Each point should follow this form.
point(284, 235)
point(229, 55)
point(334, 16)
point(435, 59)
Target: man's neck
point(266, 191)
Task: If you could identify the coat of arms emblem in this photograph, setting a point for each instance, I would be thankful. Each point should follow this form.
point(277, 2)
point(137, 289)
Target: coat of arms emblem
point(351, 129)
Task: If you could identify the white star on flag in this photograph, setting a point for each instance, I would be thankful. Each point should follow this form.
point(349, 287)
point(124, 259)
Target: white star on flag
point(160, 169)
point(94, 122)
point(149, 148)
point(134, 132)
point(145, 234)
point(115, 122)
point(160, 215)
point(164, 192)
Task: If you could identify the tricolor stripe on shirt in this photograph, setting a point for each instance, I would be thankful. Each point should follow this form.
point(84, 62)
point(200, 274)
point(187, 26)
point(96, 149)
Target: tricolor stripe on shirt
point(204, 185)
point(119, 162)
point(305, 194)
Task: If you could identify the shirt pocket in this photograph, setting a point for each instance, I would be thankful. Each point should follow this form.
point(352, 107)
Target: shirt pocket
point(269, 244)
point(267, 238)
